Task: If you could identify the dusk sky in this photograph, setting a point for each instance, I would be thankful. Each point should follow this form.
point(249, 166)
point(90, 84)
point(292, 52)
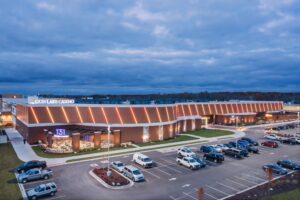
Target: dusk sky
point(153, 46)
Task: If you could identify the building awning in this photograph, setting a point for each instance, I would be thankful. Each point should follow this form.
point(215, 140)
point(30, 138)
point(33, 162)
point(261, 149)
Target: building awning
point(238, 114)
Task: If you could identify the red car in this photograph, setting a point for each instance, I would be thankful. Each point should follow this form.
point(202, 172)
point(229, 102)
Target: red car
point(272, 144)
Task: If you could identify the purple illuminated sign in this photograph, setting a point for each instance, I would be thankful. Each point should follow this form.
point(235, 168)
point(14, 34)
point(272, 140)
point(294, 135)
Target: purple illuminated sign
point(61, 133)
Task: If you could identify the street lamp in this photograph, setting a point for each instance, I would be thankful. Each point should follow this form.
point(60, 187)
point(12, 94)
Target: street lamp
point(108, 144)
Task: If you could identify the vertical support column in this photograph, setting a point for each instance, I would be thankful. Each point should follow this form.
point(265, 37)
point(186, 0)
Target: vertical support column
point(76, 142)
point(117, 137)
point(97, 139)
point(49, 139)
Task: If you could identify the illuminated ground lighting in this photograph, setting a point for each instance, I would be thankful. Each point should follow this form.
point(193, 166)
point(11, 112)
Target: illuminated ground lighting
point(182, 110)
point(79, 115)
point(196, 106)
point(92, 115)
point(133, 115)
point(168, 116)
point(158, 114)
point(50, 114)
point(146, 112)
point(104, 114)
point(65, 114)
point(34, 115)
point(227, 108)
point(119, 115)
point(190, 110)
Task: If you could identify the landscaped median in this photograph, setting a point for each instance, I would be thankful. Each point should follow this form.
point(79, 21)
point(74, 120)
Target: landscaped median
point(209, 133)
point(179, 138)
point(8, 162)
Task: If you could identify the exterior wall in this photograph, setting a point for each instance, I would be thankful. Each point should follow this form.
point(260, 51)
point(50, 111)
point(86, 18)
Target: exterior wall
point(130, 119)
point(225, 119)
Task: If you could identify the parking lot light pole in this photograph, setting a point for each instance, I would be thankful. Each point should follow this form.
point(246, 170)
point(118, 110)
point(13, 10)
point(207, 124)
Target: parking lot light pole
point(108, 145)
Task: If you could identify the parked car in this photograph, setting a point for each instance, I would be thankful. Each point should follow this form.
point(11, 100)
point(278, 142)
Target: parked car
point(234, 153)
point(48, 189)
point(200, 161)
point(272, 144)
point(288, 164)
point(185, 151)
point(241, 147)
point(223, 147)
point(253, 149)
point(133, 173)
point(288, 141)
point(244, 142)
point(117, 165)
point(217, 148)
point(188, 162)
point(34, 174)
point(142, 160)
point(272, 137)
point(297, 139)
point(275, 169)
point(214, 156)
point(30, 165)
point(206, 149)
point(251, 141)
point(228, 145)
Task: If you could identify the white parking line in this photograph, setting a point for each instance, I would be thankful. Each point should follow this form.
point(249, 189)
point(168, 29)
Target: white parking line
point(147, 171)
point(217, 190)
point(168, 161)
point(254, 177)
point(162, 171)
point(163, 165)
point(237, 183)
point(187, 194)
point(57, 197)
point(228, 186)
point(210, 195)
point(245, 180)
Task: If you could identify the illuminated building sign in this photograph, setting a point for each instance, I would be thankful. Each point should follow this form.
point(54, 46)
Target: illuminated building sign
point(36, 100)
point(61, 133)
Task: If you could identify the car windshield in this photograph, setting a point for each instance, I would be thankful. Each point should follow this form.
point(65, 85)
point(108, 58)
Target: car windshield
point(192, 160)
point(188, 151)
point(136, 172)
point(147, 160)
point(28, 172)
point(120, 164)
point(37, 189)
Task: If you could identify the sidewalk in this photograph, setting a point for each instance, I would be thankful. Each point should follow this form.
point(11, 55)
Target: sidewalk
point(25, 152)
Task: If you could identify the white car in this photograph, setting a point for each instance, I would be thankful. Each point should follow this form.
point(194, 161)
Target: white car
point(217, 148)
point(185, 152)
point(142, 160)
point(297, 139)
point(188, 162)
point(223, 147)
point(117, 165)
point(272, 137)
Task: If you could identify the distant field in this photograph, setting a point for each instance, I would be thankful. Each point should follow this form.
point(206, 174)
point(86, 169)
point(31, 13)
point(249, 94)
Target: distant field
point(8, 184)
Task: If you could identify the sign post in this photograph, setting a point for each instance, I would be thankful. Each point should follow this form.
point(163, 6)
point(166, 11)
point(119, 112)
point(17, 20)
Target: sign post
point(200, 193)
point(108, 144)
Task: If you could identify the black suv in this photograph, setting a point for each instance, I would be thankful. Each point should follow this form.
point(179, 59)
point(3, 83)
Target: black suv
point(214, 156)
point(30, 165)
point(234, 153)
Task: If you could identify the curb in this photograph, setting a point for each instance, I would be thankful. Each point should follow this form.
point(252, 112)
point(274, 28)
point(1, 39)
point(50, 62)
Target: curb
point(21, 187)
point(109, 186)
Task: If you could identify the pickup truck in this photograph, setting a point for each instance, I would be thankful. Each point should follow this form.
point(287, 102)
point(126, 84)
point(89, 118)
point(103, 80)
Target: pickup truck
point(188, 162)
point(48, 189)
point(34, 174)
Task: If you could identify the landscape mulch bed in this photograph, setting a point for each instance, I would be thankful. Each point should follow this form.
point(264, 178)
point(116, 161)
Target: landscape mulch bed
point(114, 180)
point(283, 184)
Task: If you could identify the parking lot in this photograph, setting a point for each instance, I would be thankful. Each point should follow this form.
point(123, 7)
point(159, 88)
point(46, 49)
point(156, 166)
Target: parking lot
point(168, 180)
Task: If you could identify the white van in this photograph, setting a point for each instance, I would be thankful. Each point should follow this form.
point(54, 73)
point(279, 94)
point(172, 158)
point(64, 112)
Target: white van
point(142, 160)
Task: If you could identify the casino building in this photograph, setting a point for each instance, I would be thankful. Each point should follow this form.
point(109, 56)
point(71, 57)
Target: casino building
point(79, 126)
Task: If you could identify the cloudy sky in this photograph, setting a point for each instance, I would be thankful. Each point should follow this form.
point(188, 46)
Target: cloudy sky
point(150, 46)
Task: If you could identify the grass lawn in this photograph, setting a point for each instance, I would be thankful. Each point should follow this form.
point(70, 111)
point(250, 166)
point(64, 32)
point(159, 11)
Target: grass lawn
point(177, 139)
point(291, 195)
point(8, 184)
point(210, 133)
point(40, 152)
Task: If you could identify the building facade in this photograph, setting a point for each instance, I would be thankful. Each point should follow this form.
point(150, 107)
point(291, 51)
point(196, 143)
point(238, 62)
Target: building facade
point(134, 123)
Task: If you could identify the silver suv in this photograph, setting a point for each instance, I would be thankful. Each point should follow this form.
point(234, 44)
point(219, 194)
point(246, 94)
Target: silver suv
point(133, 173)
point(48, 189)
